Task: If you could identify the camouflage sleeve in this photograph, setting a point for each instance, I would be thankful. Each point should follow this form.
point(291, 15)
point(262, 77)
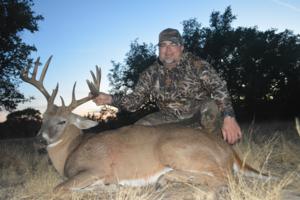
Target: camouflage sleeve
point(140, 94)
point(217, 87)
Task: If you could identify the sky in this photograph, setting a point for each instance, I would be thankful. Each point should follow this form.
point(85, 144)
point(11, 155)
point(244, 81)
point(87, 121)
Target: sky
point(82, 34)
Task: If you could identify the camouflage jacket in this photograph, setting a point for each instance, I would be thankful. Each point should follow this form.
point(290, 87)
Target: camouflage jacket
point(178, 92)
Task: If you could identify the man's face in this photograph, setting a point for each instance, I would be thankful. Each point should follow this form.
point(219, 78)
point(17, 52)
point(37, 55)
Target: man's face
point(170, 53)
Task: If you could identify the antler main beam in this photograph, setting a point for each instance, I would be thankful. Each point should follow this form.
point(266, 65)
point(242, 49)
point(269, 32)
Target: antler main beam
point(39, 83)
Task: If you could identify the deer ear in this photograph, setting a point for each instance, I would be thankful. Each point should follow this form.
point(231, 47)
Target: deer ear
point(84, 123)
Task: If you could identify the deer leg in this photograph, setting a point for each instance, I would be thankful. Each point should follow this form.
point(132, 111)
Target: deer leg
point(191, 178)
point(79, 181)
point(210, 186)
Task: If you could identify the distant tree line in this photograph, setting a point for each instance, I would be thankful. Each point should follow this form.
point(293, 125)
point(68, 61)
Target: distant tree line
point(21, 124)
point(262, 68)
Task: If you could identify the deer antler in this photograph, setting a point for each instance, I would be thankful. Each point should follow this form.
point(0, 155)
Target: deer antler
point(94, 90)
point(94, 86)
point(39, 83)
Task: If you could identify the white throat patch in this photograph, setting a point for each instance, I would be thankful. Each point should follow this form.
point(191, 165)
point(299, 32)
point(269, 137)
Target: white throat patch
point(54, 144)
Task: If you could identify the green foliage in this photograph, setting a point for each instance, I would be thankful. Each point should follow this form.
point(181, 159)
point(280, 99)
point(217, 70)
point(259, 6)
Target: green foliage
point(222, 23)
point(194, 36)
point(262, 68)
point(123, 77)
point(16, 16)
point(268, 69)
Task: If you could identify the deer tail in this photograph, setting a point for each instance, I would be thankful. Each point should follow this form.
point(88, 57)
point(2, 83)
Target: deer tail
point(245, 169)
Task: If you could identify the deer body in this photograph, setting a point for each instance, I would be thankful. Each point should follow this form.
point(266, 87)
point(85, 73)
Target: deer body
point(139, 153)
point(133, 155)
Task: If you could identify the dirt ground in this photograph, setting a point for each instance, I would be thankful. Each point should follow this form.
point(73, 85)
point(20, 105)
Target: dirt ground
point(271, 147)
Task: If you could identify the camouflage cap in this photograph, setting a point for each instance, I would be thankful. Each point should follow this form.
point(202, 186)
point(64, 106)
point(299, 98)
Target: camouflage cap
point(170, 34)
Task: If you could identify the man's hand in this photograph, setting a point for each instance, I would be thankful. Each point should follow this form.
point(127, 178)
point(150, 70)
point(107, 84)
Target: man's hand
point(103, 99)
point(231, 130)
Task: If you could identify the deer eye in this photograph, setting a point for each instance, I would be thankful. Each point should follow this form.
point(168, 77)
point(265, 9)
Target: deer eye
point(61, 122)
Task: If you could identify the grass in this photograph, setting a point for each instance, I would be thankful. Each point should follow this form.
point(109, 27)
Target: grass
point(272, 148)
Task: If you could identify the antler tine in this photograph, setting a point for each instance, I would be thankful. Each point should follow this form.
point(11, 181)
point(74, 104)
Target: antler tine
point(75, 103)
point(36, 66)
point(94, 89)
point(95, 86)
point(38, 83)
point(44, 71)
point(62, 102)
point(53, 95)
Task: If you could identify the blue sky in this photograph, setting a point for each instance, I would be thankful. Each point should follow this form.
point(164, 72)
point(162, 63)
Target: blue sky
point(82, 34)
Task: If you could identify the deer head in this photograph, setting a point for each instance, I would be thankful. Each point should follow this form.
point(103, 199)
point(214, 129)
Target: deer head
point(57, 118)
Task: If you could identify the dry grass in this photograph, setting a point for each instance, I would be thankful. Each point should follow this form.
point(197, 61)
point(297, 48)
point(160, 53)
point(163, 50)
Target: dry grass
point(273, 148)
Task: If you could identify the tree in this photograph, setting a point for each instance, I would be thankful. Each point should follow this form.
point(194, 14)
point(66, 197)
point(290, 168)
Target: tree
point(123, 77)
point(21, 124)
point(262, 69)
point(28, 114)
point(16, 16)
point(194, 37)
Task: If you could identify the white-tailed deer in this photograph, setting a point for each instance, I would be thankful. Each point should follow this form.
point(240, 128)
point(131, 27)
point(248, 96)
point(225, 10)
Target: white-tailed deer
point(132, 155)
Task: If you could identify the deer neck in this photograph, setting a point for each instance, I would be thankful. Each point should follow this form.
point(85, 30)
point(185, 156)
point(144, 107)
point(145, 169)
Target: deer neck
point(61, 150)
